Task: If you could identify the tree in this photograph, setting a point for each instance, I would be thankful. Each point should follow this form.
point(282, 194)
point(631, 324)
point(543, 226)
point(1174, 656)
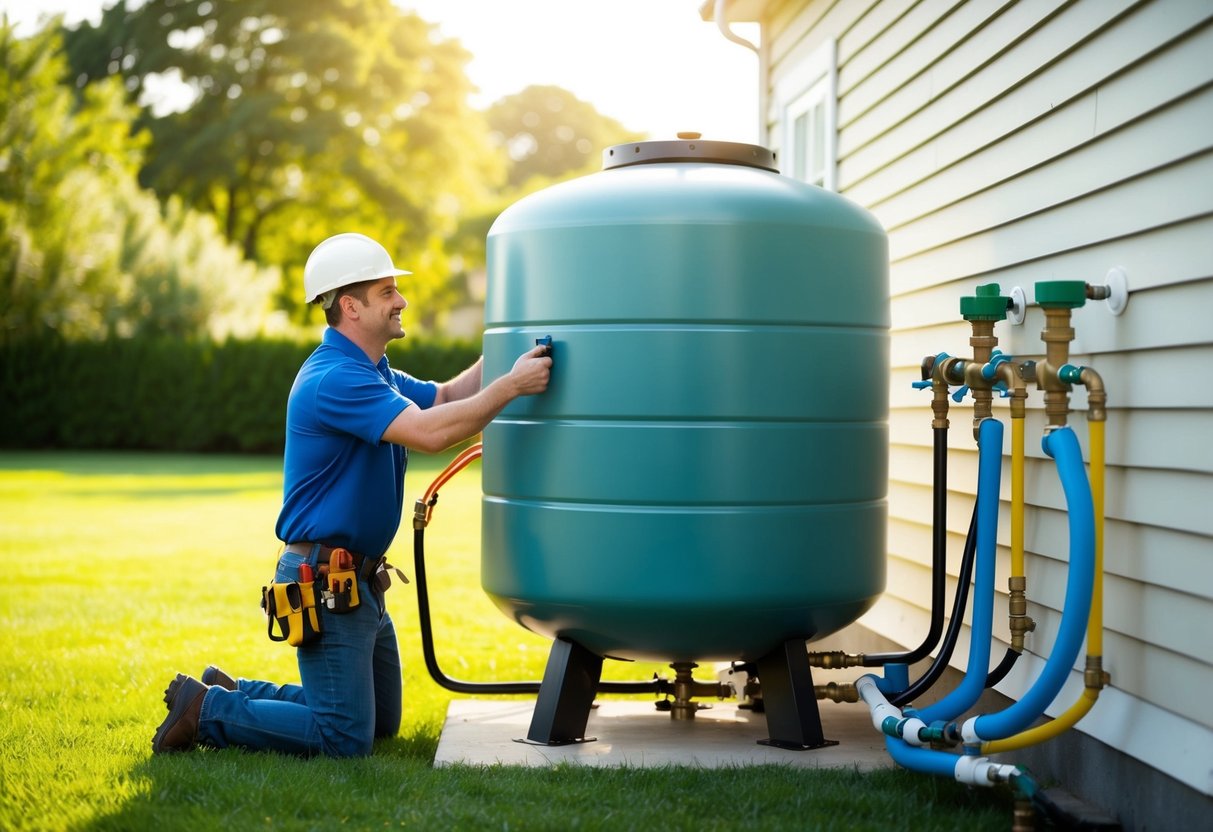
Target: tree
point(549, 136)
point(303, 118)
point(83, 250)
point(548, 132)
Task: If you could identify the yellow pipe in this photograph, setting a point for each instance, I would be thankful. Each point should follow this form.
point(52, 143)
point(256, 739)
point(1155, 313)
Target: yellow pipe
point(1095, 625)
point(1094, 678)
point(1020, 622)
point(1017, 499)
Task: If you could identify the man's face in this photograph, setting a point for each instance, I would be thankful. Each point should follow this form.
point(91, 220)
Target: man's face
point(384, 303)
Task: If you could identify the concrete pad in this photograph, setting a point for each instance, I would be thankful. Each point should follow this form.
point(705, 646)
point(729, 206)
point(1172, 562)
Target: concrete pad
point(635, 734)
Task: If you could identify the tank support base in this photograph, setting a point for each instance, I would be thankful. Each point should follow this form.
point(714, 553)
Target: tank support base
point(566, 695)
point(789, 700)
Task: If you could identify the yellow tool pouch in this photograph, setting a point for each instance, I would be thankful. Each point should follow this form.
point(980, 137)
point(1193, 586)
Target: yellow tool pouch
point(293, 607)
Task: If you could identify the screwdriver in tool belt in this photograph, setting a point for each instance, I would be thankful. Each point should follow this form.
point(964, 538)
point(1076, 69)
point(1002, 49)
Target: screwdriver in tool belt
point(305, 574)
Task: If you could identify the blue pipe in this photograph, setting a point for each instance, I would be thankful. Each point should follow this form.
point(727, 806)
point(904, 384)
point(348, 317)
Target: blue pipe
point(1062, 445)
point(989, 475)
point(971, 770)
point(925, 760)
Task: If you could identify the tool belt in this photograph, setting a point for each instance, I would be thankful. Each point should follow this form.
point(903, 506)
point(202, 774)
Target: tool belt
point(295, 606)
point(376, 571)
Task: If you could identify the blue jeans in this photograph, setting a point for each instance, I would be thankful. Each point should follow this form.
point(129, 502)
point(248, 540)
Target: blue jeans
point(351, 691)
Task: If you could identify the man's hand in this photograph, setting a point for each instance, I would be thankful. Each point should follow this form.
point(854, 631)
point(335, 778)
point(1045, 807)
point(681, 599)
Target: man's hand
point(531, 372)
point(444, 424)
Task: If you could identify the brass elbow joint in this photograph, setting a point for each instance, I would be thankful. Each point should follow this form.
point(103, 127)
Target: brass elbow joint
point(932, 370)
point(1097, 396)
point(1012, 376)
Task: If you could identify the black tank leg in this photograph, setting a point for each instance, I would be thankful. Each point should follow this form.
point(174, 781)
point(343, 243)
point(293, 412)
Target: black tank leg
point(787, 694)
point(566, 695)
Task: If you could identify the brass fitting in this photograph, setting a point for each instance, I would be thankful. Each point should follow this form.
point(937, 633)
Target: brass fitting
point(1020, 622)
point(1013, 376)
point(420, 515)
point(1094, 677)
point(1057, 336)
point(983, 342)
point(836, 659)
point(837, 693)
point(1097, 396)
point(982, 310)
point(939, 392)
point(950, 371)
point(1023, 817)
point(686, 687)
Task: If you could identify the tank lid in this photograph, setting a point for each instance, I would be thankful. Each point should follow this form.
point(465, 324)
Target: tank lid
point(689, 147)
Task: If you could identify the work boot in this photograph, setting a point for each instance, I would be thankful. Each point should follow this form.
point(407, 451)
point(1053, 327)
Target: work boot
point(214, 676)
point(179, 730)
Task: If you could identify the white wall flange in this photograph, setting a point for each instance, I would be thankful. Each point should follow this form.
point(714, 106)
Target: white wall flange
point(1118, 288)
point(1019, 306)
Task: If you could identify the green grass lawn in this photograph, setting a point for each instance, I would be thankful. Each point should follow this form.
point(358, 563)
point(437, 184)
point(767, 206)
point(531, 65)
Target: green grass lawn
point(126, 568)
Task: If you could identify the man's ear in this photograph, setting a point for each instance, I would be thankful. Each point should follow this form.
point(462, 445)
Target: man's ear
point(349, 308)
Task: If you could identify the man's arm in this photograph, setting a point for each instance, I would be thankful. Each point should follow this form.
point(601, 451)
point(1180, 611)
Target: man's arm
point(462, 386)
point(441, 426)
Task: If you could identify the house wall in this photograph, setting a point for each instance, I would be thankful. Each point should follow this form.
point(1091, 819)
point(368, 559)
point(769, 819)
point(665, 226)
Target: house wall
point(1015, 142)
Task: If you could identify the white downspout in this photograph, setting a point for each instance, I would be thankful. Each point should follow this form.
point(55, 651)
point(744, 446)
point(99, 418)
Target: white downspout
point(723, 25)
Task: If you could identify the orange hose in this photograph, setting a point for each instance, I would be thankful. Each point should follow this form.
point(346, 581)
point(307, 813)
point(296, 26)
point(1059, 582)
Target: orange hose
point(457, 464)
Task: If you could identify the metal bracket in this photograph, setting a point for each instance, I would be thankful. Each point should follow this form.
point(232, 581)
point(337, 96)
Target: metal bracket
point(789, 699)
point(566, 695)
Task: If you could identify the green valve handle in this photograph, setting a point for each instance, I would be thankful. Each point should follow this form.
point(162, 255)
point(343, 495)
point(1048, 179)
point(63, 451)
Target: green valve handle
point(1061, 294)
point(1070, 374)
point(986, 305)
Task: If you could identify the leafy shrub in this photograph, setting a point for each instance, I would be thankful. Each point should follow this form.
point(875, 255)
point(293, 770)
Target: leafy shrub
point(158, 393)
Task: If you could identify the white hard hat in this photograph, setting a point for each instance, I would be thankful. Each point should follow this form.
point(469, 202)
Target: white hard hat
point(342, 260)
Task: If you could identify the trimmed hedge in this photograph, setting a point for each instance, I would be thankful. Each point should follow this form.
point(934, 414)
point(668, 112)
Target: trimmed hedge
point(171, 394)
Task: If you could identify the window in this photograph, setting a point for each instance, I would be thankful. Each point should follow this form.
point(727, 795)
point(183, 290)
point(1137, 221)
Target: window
point(810, 118)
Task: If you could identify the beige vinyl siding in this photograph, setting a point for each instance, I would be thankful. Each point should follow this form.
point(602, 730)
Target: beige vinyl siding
point(1014, 142)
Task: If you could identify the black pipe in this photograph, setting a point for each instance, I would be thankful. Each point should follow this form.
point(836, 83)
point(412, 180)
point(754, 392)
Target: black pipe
point(654, 685)
point(945, 655)
point(939, 561)
point(940, 663)
point(1004, 667)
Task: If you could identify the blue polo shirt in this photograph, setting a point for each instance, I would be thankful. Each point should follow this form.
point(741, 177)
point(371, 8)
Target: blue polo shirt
point(341, 485)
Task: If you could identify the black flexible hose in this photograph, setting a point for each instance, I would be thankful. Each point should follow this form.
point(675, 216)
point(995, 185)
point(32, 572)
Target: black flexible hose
point(940, 663)
point(1004, 667)
point(939, 561)
point(427, 637)
point(654, 685)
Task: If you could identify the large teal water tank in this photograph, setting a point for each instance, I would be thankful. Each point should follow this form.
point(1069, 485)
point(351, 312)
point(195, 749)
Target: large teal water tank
point(705, 477)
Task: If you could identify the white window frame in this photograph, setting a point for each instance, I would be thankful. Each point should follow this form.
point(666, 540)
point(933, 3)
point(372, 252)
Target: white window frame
point(808, 110)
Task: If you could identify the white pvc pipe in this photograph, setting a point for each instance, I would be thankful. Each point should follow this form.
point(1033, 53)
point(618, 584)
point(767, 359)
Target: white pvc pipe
point(907, 729)
point(972, 771)
point(979, 771)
